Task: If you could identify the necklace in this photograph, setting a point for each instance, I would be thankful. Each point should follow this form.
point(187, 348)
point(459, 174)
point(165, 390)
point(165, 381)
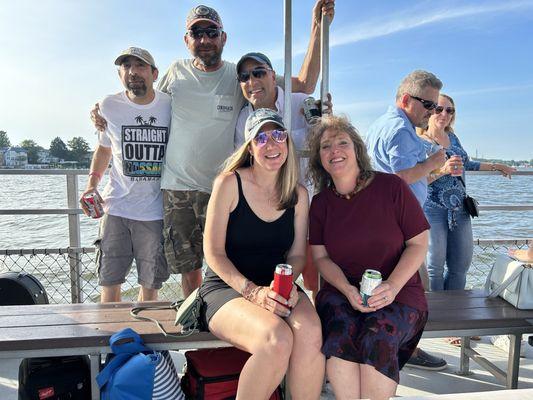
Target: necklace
point(433, 141)
point(348, 196)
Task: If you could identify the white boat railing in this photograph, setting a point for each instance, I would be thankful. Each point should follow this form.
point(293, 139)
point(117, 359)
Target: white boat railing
point(79, 284)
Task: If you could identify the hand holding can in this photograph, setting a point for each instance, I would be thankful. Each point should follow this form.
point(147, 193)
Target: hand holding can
point(93, 203)
point(371, 279)
point(456, 165)
point(283, 280)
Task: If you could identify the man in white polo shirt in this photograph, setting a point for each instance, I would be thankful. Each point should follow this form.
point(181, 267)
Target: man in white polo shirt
point(135, 140)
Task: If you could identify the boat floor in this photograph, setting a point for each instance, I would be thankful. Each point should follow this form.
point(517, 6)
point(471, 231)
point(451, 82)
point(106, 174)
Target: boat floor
point(413, 382)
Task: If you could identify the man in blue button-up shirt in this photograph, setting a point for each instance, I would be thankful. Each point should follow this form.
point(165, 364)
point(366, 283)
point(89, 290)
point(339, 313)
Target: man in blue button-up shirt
point(395, 148)
point(392, 140)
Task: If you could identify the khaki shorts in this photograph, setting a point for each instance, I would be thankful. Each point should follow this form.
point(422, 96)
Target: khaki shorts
point(120, 241)
point(184, 222)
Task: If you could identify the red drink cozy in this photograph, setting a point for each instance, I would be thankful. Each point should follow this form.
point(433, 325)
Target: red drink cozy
point(283, 280)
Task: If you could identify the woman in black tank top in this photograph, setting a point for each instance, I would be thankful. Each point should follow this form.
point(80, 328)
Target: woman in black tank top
point(257, 218)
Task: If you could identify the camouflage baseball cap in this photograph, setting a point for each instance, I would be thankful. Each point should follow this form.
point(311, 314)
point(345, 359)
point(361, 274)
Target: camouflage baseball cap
point(141, 54)
point(203, 13)
point(257, 119)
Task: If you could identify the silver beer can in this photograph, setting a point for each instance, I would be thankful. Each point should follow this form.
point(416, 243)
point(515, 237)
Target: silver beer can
point(371, 280)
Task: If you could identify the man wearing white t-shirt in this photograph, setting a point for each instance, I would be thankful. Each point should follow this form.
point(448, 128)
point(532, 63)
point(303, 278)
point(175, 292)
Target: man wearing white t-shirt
point(135, 140)
point(258, 85)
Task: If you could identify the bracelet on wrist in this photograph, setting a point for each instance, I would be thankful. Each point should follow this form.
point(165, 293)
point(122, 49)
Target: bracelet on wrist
point(97, 174)
point(493, 167)
point(248, 289)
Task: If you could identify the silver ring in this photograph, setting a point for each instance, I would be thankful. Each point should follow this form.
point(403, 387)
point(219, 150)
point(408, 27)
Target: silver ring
point(455, 167)
point(385, 298)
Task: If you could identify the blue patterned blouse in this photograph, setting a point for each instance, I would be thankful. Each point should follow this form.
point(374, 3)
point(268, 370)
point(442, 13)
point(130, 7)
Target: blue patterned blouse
point(447, 191)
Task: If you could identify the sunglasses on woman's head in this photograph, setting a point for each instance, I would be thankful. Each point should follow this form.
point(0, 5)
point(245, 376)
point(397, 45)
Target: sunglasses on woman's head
point(277, 135)
point(257, 73)
point(449, 110)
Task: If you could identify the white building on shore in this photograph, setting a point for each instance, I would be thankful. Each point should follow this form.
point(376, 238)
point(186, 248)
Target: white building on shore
point(13, 157)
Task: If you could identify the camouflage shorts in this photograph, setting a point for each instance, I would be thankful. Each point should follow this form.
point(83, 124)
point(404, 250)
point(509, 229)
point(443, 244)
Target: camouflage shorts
point(184, 222)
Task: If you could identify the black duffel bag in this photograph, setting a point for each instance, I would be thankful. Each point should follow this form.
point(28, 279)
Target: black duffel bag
point(50, 378)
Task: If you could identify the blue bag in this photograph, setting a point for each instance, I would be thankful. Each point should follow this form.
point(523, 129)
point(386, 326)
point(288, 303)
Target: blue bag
point(136, 372)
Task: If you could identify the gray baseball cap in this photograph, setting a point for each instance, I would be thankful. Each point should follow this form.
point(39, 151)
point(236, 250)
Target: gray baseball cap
point(257, 119)
point(141, 54)
point(259, 57)
point(203, 13)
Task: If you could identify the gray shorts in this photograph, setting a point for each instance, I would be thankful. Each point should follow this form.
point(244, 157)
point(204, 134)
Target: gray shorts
point(184, 219)
point(120, 241)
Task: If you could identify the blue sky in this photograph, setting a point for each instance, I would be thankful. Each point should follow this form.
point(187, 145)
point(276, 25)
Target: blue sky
point(57, 58)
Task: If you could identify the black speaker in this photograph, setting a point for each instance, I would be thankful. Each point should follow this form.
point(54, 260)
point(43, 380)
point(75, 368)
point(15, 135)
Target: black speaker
point(20, 288)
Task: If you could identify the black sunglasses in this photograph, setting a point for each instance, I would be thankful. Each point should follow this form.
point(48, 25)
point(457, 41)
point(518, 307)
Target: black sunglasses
point(211, 33)
point(257, 73)
point(449, 110)
point(428, 104)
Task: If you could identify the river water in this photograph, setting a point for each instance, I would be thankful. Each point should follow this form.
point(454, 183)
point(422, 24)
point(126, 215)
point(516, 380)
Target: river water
point(51, 231)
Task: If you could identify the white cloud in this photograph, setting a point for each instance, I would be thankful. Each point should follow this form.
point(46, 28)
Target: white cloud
point(407, 20)
point(495, 89)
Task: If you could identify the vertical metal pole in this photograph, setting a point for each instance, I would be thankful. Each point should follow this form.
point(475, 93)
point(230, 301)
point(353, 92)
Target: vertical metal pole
point(464, 362)
point(74, 239)
point(287, 114)
point(513, 364)
point(324, 58)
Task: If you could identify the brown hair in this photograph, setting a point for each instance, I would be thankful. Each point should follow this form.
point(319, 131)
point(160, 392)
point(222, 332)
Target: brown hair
point(316, 172)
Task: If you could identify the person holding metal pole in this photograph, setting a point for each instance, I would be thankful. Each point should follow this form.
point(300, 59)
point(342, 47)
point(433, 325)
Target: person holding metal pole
point(206, 101)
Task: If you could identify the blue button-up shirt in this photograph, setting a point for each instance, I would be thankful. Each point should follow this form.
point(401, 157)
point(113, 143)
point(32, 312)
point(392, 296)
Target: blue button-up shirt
point(393, 146)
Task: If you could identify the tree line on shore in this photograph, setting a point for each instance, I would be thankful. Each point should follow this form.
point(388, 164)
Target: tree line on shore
point(76, 149)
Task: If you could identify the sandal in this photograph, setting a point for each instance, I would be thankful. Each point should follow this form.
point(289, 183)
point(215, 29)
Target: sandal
point(456, 341)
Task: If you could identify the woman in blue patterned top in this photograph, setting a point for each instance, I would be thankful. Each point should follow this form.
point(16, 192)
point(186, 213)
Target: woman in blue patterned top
point(450, 242)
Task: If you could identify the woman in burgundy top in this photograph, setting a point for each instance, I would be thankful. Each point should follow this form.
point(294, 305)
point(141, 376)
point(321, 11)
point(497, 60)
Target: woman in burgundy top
point(361, 219)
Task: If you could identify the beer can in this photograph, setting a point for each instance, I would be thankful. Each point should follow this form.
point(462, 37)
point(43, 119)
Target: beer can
point(92, 201)
point(311, 110)
point(371, 280)
point(283, 280)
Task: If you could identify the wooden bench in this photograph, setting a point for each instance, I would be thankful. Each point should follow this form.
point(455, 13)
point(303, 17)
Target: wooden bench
point(77, 329)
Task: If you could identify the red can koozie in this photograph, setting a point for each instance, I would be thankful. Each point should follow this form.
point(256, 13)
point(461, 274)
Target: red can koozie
point(93, 204)
point(283, 280)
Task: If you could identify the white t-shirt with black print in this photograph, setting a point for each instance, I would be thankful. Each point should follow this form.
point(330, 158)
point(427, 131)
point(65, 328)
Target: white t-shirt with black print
point(137, 135)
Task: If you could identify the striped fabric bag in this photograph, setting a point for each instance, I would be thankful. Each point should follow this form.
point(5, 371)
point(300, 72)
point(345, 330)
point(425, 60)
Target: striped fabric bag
point(166, 380)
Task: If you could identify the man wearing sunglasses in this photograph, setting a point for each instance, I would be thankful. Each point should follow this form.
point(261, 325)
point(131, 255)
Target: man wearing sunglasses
point(206, 101)
point(258, 84)
point(395, 148)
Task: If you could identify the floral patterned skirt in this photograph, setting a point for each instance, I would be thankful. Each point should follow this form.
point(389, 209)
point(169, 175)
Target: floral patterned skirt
point(384, 339)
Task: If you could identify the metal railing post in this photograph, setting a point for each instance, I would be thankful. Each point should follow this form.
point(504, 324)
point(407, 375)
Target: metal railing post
point(324, 58)
point(287, 114)
point(74, 239)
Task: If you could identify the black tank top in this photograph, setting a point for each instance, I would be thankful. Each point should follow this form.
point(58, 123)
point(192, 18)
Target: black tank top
point(253, 245)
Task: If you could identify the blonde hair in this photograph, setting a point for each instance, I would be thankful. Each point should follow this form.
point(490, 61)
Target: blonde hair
point(287, 179)
point(316, 172)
